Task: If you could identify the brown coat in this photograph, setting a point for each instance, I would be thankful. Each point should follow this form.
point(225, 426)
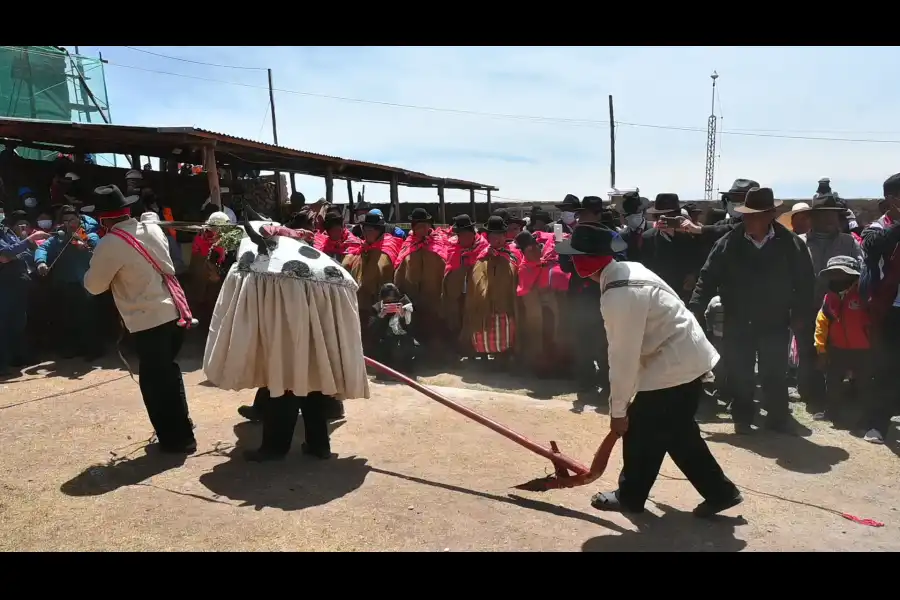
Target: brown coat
point(492, 291)
point(371, 270)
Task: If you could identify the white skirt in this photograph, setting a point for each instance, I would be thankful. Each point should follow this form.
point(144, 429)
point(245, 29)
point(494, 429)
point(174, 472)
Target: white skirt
point(285, 333)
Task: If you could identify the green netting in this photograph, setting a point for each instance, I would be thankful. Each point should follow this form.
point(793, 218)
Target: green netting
point(44, 82)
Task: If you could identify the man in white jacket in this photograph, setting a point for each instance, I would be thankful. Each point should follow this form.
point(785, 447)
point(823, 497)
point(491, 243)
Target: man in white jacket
point(658, 354)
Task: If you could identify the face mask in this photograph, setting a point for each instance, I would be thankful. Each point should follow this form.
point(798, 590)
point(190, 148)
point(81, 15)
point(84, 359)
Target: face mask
point(45, 224)
point(729, 208)
point(634, 221)
point(30, 202)
point(568, 217)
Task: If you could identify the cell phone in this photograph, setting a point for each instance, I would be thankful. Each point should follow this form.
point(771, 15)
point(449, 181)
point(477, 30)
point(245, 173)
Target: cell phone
point(672, 222)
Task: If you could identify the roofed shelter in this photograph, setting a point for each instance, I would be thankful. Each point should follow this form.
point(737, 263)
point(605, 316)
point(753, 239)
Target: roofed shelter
point(214, 150)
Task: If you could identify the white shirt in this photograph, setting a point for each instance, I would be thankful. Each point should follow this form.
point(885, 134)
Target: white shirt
point(655, 342)
point(762, 242)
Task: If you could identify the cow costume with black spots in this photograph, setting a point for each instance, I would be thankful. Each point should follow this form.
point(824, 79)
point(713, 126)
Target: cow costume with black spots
point(287, 322)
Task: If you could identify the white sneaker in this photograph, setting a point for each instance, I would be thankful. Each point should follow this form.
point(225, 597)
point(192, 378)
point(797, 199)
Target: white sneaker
point(873, 436)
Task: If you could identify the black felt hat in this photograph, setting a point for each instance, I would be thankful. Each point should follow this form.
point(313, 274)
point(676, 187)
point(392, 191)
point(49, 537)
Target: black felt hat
point(495, 224)
point(592, 204)
point(110, 197)
point(591, 239)
point(632, 204)
point(524, 240)
point(570, 203)
point(502, 213)
point(463, 223)
point(420, 215)
point(759, 200)
point(333, 218)
point(374, 220)
point(739, 188)
point(665, 203)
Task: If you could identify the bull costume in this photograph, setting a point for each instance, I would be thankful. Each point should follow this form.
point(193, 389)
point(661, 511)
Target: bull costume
point(287, 321)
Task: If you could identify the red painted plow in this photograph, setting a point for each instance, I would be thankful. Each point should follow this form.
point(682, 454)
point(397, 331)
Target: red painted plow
point(568, 472)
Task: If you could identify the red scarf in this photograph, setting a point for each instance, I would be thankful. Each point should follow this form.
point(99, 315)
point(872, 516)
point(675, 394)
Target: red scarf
point(436, 241)
point(325, 244)
point(544, 273)
point(459, 257)
point(387, 243)
point(505, 253)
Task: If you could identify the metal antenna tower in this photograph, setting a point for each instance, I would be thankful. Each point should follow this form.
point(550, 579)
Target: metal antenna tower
point(711, 143)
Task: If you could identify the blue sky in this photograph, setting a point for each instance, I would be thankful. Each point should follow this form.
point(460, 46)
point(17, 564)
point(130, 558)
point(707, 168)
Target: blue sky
point(828, 92)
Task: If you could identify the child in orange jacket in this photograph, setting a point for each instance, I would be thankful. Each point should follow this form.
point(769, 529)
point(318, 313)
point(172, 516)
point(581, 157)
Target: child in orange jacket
point(842, 334)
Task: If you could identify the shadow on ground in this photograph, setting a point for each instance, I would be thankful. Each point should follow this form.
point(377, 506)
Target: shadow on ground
point(295, 483)
point(119, 472)
point(674, 531)
point(73, 368)
point(792, 453)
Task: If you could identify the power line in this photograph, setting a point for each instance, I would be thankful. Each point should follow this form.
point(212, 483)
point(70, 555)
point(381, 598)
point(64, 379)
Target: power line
point(591, 123)
point(194, 62)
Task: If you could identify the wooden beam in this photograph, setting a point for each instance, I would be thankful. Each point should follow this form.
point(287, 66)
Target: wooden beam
point(395, 197)
point(293, 183)
point(442, 208)
point(136, 161)
point(489, 202)
point(350, 194)
point(329, 186)
point(212, 175)
point(472, 205)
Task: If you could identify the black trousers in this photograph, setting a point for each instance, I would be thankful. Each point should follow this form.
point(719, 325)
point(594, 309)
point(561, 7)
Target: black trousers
point(279, 418)
point(13, 320)
point(744, 345)
point(162, 386)
point(862, 364)
point(886, 359)
point(660, 422)
point(587, 333)
point(80, 334)
point(810, 380)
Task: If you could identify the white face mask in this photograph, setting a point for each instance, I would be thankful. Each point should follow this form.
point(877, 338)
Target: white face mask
point(360, 218)
point(634, 221)
point(567, 217)
point(45, 224)
point(30, 202)
point(729, 208)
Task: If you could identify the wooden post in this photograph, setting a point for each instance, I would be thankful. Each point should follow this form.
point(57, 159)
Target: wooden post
point(442, 208)
point(395, 197)
point(293, 183)
point(329, 187)
point(212, 175)
point(350, 194)
point(136, 161)
point(612, 145)
point(472, 205)
point(489, 202)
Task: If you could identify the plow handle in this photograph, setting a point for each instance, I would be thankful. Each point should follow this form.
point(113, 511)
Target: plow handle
point(558, 460)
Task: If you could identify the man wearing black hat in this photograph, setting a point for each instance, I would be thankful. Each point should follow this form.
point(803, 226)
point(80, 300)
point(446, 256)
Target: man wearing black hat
point(149, 312)
point(539, 220)
point(17, 246)
point(881, 283)
point(634, 209)
point(731, 200)
point(570, 205)
point(764, 276)
point(657, 355)
point(675, 256)
point(360, 210)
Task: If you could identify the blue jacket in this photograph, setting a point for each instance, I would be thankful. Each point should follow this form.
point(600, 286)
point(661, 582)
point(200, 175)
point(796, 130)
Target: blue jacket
point(89, 224)
point(74, 262)
point(19, 250)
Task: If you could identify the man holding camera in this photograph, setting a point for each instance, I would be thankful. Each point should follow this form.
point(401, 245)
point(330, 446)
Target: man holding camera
point(667, 251)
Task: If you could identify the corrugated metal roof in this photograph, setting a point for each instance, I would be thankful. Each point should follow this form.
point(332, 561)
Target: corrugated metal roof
point(182, 142)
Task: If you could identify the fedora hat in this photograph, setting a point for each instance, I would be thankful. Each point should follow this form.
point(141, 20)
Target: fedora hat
point(665, 203)
point(419, 215)
point(829, 202)
point(374, 219)
point(463, 223)
point(592, 204)
point(525, 240)
point(739, 188)
point(785, 219)
point(758, 200)
point(540, 215)
point(570, 203)
point(518, 221)
point(333, 218)
point(110, 198)
point(591, 239)
point(495, 224)
point(632, 204)
point(502, 213)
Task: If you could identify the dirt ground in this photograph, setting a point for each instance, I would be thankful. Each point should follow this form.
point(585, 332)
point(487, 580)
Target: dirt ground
point(76, 474)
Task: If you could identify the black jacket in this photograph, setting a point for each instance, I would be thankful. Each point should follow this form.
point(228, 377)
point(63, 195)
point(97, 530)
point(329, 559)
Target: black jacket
point(760, 288)
point(673, 259)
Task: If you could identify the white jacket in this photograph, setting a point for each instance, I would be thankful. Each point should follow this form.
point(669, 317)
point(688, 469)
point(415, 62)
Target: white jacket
point(655, 342)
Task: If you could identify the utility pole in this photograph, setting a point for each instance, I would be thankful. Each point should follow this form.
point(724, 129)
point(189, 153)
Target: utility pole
point(275, 138)
point(711, 143)
point(612, 145)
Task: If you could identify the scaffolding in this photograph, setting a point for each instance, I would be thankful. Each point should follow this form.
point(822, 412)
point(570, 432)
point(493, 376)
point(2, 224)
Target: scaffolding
point(50, 83)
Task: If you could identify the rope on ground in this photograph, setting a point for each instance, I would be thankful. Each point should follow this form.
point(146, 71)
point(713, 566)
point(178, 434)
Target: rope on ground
point(848, 516)
point(63, 393)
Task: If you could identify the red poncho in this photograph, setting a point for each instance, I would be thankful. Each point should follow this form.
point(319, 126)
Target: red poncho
point(387, 243)
point(325, 244)
point(544, 273)
point(436, 241)
point(459, 257)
